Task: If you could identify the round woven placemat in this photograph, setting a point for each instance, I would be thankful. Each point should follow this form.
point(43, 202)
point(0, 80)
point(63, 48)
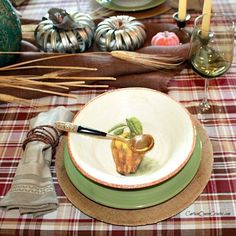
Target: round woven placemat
point(144, 216)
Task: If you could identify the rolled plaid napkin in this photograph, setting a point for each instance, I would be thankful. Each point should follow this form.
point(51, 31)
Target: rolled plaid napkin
point(32, 190)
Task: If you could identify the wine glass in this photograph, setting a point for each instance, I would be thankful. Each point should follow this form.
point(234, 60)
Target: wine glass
point(211, 51)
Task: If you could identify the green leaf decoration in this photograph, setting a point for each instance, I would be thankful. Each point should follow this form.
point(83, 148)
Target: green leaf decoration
point(135, 126)
point(118, 126)
point(119, 131)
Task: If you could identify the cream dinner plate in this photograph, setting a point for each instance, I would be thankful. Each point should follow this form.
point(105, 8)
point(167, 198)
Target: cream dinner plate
point(134, 198)
point(165, 119)
point(126, 5)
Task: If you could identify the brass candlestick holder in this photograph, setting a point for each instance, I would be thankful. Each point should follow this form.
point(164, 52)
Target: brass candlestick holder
point(183, 34)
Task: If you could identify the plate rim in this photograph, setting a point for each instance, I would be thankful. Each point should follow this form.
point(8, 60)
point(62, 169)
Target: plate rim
point(135, 186)
point(114, 7)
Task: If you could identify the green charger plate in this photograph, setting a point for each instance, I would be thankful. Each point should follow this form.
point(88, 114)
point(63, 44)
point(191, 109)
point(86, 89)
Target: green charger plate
point(121, 5)
point(135, 198)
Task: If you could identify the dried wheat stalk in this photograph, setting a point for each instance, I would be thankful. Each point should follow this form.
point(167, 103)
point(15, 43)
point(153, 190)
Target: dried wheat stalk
point(19, 65)
point(39, 90)
point(31, 83)
point(47, 67)
point(28, 82)
point(149, 60)
point(80, 78)
point(92, 86)
point(57, 75)
point(9, 98)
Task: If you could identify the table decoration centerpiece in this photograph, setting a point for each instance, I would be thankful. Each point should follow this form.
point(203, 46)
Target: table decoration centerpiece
point(121, 32)
point(62, 32)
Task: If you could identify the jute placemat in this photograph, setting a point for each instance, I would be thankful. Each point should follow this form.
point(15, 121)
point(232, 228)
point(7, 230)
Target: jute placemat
point(144, 216)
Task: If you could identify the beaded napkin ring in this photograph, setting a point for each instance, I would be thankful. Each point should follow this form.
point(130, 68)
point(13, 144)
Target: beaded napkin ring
point(41, 133)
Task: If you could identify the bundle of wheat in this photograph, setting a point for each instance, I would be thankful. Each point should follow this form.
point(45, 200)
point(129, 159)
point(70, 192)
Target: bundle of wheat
point(39, 83)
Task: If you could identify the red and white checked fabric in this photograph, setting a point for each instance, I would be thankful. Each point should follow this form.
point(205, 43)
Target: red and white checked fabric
point(36, 9)
point(214, 211)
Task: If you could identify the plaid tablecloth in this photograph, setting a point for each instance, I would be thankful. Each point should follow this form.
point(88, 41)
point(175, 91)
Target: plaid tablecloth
point(213, 212)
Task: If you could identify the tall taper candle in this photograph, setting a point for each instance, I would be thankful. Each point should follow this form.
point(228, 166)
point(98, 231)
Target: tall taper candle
point(182, 9)
point(206, 17)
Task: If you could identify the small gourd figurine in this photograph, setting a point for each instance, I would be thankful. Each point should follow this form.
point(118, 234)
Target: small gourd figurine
point(62, 32)
point(165, 38)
